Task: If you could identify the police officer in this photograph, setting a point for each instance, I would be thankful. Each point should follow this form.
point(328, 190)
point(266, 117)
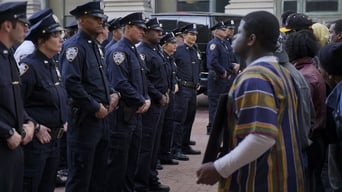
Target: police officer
point(115, 30)
point(45, 100)
point(169, 44)
point(188, 60)
point(126, 72)
point(220, 69)
point(92, 98)
point(70, 29)
point(15, 126)
point(146, 178)
point(27, 47)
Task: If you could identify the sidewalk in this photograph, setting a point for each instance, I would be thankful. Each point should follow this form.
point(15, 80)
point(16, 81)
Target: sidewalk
point(182, 177)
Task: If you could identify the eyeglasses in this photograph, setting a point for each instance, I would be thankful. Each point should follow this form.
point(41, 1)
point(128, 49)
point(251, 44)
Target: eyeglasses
point(58, 34)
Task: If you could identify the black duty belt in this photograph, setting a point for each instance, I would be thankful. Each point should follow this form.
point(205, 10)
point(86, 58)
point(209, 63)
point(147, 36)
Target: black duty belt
point(189, 84)
point(57, 133)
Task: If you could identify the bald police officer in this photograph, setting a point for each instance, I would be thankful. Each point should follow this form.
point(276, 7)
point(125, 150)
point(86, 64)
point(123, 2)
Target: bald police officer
point(85, 80)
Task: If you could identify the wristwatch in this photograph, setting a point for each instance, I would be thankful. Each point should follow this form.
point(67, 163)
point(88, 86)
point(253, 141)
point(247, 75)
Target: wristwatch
point(37, 128)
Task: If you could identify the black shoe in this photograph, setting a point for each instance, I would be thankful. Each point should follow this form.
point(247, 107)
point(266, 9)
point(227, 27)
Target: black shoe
point(189, 151)
point(192, 142)
point(159, 188)
point(180, 156)
point(159, 166)
point(168, 162)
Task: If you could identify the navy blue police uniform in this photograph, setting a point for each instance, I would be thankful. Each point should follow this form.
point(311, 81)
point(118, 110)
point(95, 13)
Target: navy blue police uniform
point(146, 177)
point(126, 73)
point(114, 24)
point(188, 60)
point(83, 72)
point(45, 101)
point(219, 62)
point(165, 156)
point(11, 106)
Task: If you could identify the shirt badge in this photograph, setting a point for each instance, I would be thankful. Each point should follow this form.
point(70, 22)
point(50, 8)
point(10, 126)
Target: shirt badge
point(71, 53)
point(212, 46)
point(23, 68)
point(142, 57)
point(118, 57)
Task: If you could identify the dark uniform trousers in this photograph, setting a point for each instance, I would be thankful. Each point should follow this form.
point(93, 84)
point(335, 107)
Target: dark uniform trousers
point(168, 130)
point(87, 154)
point(40, 170)
point(124, 147)
point(151, 132)
point(11, 168)
point(185, 111)
point(216, 87)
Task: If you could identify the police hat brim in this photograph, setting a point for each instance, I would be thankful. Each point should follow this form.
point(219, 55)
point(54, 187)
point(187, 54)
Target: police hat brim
point(24, 20)
point(141, 25)
point(191, 31)
point(156, 28)
point(99, 15)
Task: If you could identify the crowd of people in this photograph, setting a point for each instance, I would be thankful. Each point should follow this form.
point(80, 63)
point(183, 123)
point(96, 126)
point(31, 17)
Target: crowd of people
point(112, 110)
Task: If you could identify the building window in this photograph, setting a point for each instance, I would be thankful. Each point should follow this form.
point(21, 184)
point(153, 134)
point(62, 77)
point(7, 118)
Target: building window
point(290, 6)
point(321, 5)
point(193, 5)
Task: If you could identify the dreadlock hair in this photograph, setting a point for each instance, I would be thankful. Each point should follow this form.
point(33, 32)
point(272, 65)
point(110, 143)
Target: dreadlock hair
point(301, 44)
point(265, 27)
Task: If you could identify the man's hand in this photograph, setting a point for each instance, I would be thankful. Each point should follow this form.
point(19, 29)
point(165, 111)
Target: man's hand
point(43, 134)
point(29, 129)
point(14, 141)
point(102, 112)
point(164, 100)
point(144, 107)
point(114, 101)
point(236, 67)
point(224, 75)
point(176, 88)
point(207, 174)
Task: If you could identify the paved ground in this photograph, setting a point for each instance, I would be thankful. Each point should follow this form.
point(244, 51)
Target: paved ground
point(182, 177)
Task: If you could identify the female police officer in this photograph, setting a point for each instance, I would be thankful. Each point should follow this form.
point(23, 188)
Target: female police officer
point(45, 100)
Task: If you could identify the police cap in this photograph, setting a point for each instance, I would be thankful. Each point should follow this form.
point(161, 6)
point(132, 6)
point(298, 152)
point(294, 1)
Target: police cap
point(39, 15)
point(94, 8)
point(154, 24)
point(72, 25)
point(48, 25)
point(230, 24)
point(114, 24)
point(133, 19)
point(168, 38)
point(13, 10)
point(177, 31)
point(190, 28)
point(219, 25)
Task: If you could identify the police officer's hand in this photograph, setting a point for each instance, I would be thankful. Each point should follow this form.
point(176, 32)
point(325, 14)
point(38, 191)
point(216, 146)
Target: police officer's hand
point(43, 134)
point(102, 112)
point(14, 141)
point(114, 101)
point(224, 75)
point(29, 129)
point(207, 174)
point(236, 67)
point(176, 88)
point(144, 107)
point(164, 100)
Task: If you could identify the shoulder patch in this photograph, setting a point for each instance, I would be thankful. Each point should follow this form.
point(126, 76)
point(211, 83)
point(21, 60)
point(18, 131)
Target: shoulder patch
point(71, 53)
point(118, 57)
point(23, 68)
point(142, 57)
point(212, 46)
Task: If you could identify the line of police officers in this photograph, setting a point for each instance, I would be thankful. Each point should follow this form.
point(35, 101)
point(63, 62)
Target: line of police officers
point(119, 106)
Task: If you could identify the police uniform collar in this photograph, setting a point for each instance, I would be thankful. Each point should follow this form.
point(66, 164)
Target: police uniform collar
point(86, 36)
point(151, 46)
point(131, 45)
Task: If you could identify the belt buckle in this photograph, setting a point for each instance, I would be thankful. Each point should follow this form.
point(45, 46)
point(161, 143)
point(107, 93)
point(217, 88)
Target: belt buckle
point(60, 133)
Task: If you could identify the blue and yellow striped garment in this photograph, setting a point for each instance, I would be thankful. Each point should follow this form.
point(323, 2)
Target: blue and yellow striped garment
point(264, 101)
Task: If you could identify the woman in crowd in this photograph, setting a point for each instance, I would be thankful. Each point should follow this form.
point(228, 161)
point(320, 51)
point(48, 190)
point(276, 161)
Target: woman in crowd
point(45, 100)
